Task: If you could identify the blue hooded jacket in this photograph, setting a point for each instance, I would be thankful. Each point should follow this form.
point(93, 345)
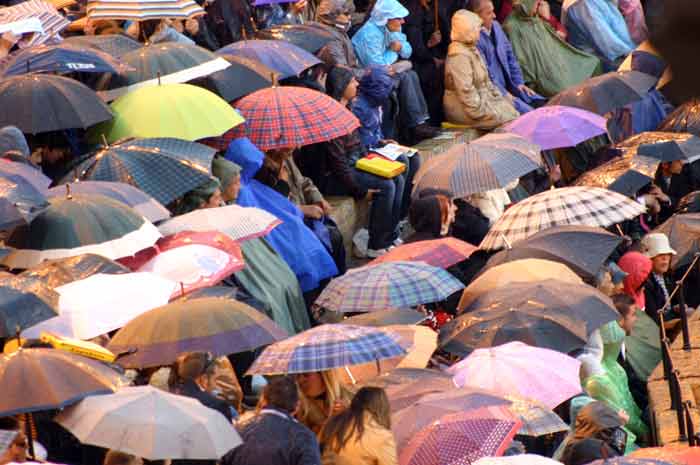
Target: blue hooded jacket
point(374, 89)
point(371, 41)
point(292, 239)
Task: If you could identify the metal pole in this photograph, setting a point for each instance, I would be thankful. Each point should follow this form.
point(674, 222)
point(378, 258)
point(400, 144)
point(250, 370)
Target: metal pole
point(680, 413)
point(684, 316)
point(692, 440)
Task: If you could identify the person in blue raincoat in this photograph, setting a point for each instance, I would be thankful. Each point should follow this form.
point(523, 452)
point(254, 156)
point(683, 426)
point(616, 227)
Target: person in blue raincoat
point(292, 239)
point(598, 27)
point(501, 62)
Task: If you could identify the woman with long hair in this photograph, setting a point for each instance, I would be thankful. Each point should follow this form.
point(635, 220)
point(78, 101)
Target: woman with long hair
point(320, 396)
point(361, 435)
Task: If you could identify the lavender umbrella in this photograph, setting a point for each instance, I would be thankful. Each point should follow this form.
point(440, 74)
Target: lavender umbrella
point(283, 57)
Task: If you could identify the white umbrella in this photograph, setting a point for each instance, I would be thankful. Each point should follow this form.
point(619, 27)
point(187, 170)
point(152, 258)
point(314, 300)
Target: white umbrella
point(104, 302)
point(150, 423)
point(525, 459)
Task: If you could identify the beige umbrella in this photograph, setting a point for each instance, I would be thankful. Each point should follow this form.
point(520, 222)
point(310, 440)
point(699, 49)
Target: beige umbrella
point(519, 271)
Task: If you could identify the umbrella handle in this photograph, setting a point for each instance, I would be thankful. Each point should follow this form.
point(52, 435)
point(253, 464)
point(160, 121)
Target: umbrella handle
point(30, 432)
point(352, 378)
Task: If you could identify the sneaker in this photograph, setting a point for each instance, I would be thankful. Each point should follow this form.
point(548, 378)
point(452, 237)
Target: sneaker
point(398, 241)
point(374, 253)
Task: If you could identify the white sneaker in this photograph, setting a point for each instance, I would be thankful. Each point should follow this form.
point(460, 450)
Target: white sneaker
point(398, 241)
point(374, 253)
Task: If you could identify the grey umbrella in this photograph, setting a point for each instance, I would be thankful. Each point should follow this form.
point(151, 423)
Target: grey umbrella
point(24, 302)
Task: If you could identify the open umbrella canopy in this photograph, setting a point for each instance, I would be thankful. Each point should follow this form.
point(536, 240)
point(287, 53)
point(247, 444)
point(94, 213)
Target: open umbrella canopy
point(151, 423)
point(404, 386)
point(243, 77)
point(218, 325)
point(67, 378)
point(631, 461)
point(326, 347)
point(579, 205)
point(443, 252)
point(27, 173)
point(388, 286)
point(20, 202)
point(385, 318)
point(584, 249)
point(602, 94)
point(536, 418)
point(55, 273)
point(180, 111)
point(668, 151)
point(289, 117)
point(115, 45)
point(62, 58)
point(77, 225)
point(683, 232)
point(141, 10)
point(284, 57)
point(517, 369)
point(674, 454)
point(164, 168)
point(309, 36)
point(625, 175)
point(43, 102)
point(24, 302)
point(528, 270)
point(142, 203)
point(490, 162)
point(556, 126)
point(685, 118)
point(524, 459)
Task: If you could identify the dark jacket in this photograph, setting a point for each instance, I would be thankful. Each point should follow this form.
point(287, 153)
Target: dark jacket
point(679, 186)
point(470, 224)
point(655, 299)
point(230, 21)
point(190, 389)
point(273, 437)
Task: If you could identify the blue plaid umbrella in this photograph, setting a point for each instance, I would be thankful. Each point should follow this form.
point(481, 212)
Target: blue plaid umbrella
point(388, 286)
point(326, 347)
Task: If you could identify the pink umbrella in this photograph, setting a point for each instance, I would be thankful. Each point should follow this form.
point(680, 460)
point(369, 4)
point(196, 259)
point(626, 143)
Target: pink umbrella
point(521, 370)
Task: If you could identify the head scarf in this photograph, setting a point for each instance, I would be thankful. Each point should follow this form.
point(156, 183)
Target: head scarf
point(384, 10)
point(12, 139)
point(337, 81)
point(525, 8)
point(376, 85)
point(638, 267)
point(329, 10)
point(463, 22)
point(225, 170)
point(194, 198)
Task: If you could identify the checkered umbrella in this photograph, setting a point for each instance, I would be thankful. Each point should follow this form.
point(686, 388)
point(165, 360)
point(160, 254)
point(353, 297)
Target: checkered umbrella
point(388, 285)
point(581, 205)
point(537, 419)
point(287, 117)
point(442, 253)
point(326, 347)
point(462, 438)
point(490, 162)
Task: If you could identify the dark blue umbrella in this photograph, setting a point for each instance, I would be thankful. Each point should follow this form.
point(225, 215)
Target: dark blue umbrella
point(11, 169)
point(20, 202)
point(62, 58)
point(310, 36)
point(672, 150)
point(115, 45)
point(24, 302)
point(284, 57)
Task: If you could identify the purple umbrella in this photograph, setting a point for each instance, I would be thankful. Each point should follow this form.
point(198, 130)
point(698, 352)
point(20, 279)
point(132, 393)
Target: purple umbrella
point(283, 57)
point(556, 126)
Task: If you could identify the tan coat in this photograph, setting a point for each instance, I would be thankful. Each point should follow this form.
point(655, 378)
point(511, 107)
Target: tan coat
point(471, 98)
point(375, 447)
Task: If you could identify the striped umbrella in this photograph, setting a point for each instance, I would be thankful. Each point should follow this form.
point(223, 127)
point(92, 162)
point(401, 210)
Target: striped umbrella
point(288, 117)
point(51, 21)
point(490, 162)
point(139, 10)
point(580, 205)
point(442, 253)
point(326, 347)
point(388, 285)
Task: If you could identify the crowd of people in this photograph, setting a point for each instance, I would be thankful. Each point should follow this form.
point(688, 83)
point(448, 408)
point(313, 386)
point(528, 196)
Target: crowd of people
point(409, 71)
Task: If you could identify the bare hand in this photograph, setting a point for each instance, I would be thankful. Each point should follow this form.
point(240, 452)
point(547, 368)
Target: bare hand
point(435, 39)
point(312, 211)
point(298, 7)
point(192, 27)
point(370, 194)
point(325, 206)
point(555, 174)
point(395, 45)
point(337, 408)
point(526, 90)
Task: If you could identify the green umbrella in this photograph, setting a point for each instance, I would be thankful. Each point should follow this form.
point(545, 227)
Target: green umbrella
point(180, 111)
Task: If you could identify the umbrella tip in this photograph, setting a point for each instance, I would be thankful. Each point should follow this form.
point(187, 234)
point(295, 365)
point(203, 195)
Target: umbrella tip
point(274, 79)
point(69, 196)
point(104, 139)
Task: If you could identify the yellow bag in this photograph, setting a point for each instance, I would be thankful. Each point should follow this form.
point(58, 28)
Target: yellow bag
point(76, 346)
point(376, 164)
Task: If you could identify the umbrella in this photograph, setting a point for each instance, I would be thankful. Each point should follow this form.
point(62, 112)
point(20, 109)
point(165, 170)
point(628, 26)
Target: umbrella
point(55, 273)
point(51, 22)
point(20, 202)
point(625, 175)
point(194, 260)
point(538, 314)
point(309, 36)
point(523, 459)
point(24, 301)
point(404, 386)
point(151, 423)
point(536, 418)
point(289, 117)
point(228, 292)
point(47, 379)
point(164, 168)
point(528, 270)
point(326, 347)
point(61, 58)
point(584, 249)
point(240, 223)
point(284, 57)
point(115, 45)
point(490, 162)
point(42, 103)
point(669, 151)
point(10, 170)
point(142, 203)
point(631, 461)
point(386, 317)
point(218, 325)
point(387, 286)
point(243, 77)
point(430, 407)
point(80, 224)
point(554, 127)
point(579, 205)
point(161, 63)
point(675, 454)
point(181, 111)
point(462, 437)
point(102, 303)
point(603, 94)
point(140, 10)
point(517, 369)
point(683, 232)
point(685, 118)
point(442, 253)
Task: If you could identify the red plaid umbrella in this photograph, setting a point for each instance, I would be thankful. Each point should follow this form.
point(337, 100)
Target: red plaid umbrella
point(462, 438)
point(287, 117)
point(442, 253)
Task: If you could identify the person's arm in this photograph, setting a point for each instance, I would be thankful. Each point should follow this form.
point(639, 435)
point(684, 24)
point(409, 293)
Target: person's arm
point(305, 449)
point(336, 156)
point(371, 49)
point(385, 447)
point(413, 30)
point(516, 74)
point(462, 75)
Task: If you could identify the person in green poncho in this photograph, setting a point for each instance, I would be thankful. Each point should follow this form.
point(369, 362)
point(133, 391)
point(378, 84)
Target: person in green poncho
point(549, 64)
point(604, 379)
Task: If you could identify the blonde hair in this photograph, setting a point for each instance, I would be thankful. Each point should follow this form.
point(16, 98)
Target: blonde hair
point(308, 412)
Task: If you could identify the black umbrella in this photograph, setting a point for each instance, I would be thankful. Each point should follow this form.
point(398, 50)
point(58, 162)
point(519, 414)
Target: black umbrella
point(24, 302)
point(20, 202)
point(55, 273)
point(42, 103)
point(685, 118)
point(115, 45)
point(606, 93)
point(238, 80)
point(668, 151)
point(62, 58)
point(584, 249)
point(386, 318)
point(309, 36)
point(538, 314)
